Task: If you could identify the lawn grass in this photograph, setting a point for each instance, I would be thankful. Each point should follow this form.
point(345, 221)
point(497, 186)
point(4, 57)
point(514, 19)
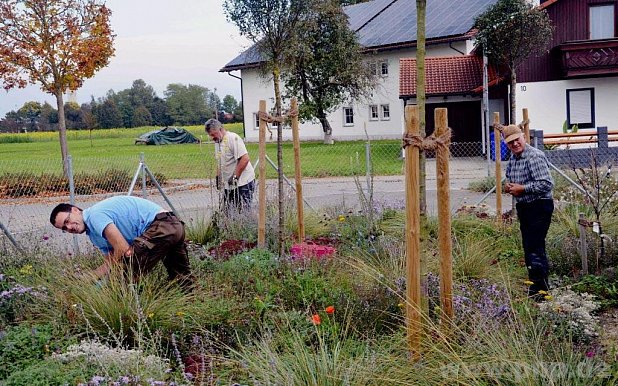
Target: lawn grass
point(105, 149)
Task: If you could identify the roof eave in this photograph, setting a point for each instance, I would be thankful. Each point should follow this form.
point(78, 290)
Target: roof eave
point(240, 67)
point(411, 44)
point(445, 94)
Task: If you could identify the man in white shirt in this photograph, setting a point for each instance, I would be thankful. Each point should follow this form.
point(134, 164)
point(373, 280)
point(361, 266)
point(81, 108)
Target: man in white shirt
point(234, 170)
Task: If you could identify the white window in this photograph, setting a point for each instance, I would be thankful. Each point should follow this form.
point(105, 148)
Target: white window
point(580, 107)
point(602, 21)
point(373, 113)
point(348, 116)
point(379, 68)
point(256, 121)
point(384, 68)
point(385, 111)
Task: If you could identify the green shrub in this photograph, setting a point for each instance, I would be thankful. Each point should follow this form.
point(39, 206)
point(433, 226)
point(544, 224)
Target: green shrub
point(22, 346)
point(604, 289)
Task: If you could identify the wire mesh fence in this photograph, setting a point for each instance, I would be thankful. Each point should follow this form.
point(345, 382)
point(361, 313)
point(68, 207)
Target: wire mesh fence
point(30, 187)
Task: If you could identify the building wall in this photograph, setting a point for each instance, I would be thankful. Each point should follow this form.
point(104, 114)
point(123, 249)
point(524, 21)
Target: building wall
point(256, 88)
point(547, 102)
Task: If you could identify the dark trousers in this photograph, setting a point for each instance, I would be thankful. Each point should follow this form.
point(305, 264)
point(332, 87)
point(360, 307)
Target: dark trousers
point(534, 220)
point(239, 198)
point(163, 240)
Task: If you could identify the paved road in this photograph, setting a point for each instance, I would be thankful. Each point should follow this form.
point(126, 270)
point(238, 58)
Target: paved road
point(27, 219)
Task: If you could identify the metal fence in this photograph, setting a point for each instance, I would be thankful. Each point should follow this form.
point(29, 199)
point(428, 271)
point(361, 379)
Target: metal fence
point(183, 181)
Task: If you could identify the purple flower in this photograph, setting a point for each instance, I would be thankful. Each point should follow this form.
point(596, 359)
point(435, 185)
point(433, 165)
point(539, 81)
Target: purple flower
point(97, 380)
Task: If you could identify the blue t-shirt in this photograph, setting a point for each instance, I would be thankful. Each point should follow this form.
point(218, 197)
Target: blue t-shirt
point(131, 215)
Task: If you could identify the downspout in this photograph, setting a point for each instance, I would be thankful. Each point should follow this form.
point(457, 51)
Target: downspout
point(242, 100)
point(450, 44)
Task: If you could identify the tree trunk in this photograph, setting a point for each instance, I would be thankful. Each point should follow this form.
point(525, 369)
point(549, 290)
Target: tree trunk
point(328, 130)
point(62, 132)
point(421, 6)
point(276, 80)
point(513, 104)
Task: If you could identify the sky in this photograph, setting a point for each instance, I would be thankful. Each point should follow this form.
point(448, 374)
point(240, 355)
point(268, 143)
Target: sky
point(161, 42)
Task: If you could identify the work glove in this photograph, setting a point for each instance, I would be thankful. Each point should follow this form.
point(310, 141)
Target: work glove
point(218, 182)
point(232, 181)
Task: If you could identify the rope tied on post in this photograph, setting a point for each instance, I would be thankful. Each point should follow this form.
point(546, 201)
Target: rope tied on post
point(279, 119)
point(431, 142)
point(500, 127)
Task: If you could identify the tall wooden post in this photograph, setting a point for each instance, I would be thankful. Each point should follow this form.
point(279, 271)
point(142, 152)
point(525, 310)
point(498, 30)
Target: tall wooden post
point(413, 260)
point(262, 181)
point(526, 125)
point(498, 154)
point(445, 241)
point(298, 175)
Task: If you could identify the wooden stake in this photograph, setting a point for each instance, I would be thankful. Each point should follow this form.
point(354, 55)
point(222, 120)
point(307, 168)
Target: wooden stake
point(445, 241)
point(413, 261)
point(262, 181)
point(498, 154)
point(298, 175)
point(582, 243)
point(526, 125)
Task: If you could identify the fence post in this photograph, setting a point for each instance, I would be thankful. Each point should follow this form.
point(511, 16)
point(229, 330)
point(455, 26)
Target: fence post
point(262, 181)
point(444, 217)
point(368, 170)
point(602, 137)
point(498, 155)
point(142, 162)
point(72, 197)
point(582, 243)
point(298, 178)
point(413, 260)
point(538, 139)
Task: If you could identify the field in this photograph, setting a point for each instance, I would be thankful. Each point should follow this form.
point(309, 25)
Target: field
point(115, 148)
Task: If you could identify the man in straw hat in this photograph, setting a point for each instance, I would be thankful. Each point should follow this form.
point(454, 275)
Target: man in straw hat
point(531, 184)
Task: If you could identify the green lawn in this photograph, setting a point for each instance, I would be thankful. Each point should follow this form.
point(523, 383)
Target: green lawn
point(115, 148)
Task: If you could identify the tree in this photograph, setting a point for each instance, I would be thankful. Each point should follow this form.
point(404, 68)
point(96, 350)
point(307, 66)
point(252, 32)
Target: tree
point(49, 117)
point(328, 68)
point(509, 32)
point(270, 25)
point(159, 114)
point(108, 115)
point(29, 114)
point(141, 117)
point(187, 105)
point(57, 43)
point(73, 115)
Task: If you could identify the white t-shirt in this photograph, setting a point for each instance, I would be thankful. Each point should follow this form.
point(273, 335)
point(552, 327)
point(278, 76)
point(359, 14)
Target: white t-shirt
point(227, 153)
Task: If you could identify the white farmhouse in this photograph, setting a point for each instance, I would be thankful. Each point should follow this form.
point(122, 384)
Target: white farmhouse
point(387, 30)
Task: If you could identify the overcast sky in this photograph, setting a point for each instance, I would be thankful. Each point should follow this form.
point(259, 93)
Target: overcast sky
point(161, 42)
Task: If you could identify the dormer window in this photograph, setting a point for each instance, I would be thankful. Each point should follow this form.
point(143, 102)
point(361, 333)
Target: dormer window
point(602, 19)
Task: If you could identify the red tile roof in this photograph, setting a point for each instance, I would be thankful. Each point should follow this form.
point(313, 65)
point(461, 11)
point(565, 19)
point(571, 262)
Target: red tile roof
point(447, 75)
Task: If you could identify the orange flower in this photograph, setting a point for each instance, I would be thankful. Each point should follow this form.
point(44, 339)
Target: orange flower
point(330, 310)
point(316, 319)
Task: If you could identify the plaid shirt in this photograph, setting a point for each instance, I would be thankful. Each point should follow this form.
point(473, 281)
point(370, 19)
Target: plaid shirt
point(531, 170)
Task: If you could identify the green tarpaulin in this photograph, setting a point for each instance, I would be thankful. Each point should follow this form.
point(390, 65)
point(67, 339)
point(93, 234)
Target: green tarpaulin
point(167, 136)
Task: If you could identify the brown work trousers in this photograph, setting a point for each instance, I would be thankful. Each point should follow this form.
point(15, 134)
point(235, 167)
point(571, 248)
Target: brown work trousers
point(163, 240)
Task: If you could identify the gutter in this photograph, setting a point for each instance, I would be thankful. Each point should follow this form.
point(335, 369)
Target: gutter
point(242, 100)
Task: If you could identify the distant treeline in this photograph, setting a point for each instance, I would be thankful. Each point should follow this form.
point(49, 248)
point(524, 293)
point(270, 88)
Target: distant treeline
point(133, 107)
